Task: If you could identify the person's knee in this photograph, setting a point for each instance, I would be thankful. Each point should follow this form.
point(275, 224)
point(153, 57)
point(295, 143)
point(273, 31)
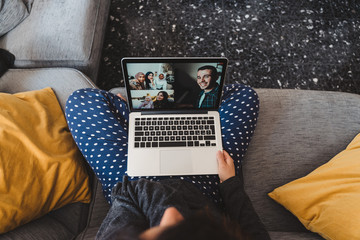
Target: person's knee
point(241, 91)
point(251, 93)
point(79, 95)
point(243, 88)
point(77, 99)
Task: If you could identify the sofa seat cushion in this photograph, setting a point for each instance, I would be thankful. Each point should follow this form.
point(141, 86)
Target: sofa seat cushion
point(41, 169)
point(64, 223)
point(12, 12)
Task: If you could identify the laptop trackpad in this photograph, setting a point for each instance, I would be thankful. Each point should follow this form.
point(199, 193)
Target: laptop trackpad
point(175, 162)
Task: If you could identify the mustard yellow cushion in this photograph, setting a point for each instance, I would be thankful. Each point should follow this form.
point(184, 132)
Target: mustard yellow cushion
point(41, 168)
point(327, 201)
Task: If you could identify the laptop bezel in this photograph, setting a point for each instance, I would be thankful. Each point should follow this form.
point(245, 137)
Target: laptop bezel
point(205, 60)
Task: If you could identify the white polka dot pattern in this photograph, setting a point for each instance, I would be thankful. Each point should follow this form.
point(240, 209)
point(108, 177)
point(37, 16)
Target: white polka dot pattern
point(98, 121)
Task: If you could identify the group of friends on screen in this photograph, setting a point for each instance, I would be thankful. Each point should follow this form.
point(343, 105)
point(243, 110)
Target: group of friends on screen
point(206, 79)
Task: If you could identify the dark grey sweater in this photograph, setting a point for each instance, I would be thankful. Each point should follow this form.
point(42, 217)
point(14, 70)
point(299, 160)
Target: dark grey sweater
point(139, 205)
point(6, 61)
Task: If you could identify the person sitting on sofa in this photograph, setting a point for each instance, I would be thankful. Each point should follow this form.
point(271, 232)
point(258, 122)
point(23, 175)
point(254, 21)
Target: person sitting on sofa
point(98, 121)
point(175, 209)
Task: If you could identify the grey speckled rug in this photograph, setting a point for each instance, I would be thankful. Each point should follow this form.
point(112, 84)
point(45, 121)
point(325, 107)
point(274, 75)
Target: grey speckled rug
point(310, 44)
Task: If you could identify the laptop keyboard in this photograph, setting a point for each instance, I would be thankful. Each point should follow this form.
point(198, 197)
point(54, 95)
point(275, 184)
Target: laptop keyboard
point(154, 132)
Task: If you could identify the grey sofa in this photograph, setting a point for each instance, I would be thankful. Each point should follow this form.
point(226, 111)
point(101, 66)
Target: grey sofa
point(297, 131)
point(63, 33)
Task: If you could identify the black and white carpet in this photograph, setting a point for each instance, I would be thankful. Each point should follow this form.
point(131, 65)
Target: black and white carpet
point(305, 44)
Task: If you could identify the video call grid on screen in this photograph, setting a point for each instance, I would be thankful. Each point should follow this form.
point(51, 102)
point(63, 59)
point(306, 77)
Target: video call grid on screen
point(174, 84)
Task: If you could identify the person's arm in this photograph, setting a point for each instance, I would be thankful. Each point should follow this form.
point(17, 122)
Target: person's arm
point(237, 203)
point(143, 104)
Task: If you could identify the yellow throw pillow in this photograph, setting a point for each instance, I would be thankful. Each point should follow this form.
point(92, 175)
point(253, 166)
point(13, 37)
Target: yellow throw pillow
point(41, 169)
point(327, 201)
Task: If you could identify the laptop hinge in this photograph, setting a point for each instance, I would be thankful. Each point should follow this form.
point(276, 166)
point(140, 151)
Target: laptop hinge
point(197, 111)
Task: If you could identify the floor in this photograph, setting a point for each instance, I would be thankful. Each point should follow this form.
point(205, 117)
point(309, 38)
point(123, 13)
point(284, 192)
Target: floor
point(308, 44)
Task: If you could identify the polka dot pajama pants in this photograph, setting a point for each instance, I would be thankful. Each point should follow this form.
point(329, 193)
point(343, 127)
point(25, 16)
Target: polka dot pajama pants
point(98, 121)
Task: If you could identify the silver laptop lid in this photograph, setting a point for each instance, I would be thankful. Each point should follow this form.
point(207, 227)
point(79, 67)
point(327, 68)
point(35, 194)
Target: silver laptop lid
point(174, 84)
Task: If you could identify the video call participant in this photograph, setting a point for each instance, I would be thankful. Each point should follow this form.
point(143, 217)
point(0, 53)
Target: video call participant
point(162, 100)
point(206, 79)
point(160, 82)
point(147, 104)
point(150, 81)
point(139, 82)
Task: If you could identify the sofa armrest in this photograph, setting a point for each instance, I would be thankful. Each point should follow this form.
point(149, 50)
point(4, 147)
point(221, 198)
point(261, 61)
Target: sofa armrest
point(63, 81)
point(63, 33)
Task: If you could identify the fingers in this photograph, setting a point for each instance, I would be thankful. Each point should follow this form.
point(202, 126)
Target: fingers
point(220, 158)
point(223, 157)
point(227, 157)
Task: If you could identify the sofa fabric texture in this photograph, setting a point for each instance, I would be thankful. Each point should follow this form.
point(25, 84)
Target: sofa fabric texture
point(12, 13)
point(63, 33)
point(63, 81)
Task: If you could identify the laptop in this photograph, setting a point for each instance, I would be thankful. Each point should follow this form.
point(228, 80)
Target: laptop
point(174, 124)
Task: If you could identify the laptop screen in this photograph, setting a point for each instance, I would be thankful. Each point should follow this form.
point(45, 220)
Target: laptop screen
point(174, 83)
